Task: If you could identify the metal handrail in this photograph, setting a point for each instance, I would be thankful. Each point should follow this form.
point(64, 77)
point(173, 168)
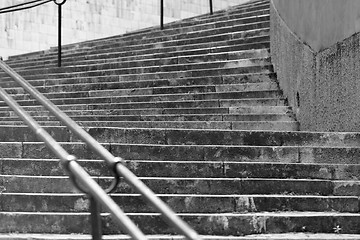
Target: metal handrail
point(113, 162)
point(74, 169)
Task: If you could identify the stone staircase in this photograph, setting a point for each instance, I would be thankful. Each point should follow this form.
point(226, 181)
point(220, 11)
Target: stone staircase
point(196, 112)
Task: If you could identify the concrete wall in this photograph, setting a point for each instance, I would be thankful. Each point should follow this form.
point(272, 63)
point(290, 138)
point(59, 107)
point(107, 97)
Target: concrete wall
point(320, 23)
point(36, 29)
point(320, 78)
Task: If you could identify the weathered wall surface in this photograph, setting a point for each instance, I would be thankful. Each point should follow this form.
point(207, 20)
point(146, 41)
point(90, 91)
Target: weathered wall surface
point(36, 29)
point(322, 86)
point(320, 23)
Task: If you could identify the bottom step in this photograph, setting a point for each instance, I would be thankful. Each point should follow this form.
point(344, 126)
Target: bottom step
point(236, 224)
point(285, 236)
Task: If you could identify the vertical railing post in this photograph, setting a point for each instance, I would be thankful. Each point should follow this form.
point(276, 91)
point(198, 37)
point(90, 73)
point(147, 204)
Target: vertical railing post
point(211, 7)
point(59, 3)
point(162, 14)
point(95, 219)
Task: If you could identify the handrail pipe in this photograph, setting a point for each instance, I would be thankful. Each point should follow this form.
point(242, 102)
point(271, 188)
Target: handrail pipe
point(113, 162)
point(74, 169)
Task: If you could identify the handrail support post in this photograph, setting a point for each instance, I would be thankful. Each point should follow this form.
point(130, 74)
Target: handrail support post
point(59, 3)
point(211, 7)
point(95, 219)
point(162, 14)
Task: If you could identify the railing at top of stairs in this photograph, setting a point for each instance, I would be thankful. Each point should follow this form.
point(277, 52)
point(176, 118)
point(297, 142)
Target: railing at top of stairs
point(78, 174)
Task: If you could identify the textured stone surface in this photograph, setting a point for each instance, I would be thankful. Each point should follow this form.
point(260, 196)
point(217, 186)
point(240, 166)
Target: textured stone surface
point(320, 85)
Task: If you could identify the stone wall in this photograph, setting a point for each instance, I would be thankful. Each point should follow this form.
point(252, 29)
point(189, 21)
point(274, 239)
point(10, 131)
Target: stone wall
point(36, 29)
point(321, 82)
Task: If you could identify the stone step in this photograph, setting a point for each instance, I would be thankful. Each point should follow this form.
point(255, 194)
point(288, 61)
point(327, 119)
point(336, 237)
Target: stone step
point(284, 236)
point(186, 169)
point(46, 116)
point(86, 121)
point(19, 93)
point(245, 65)
point(213, 224)
point(96, 101)
point(181, 203)
point(112, 82)
point(225, 138)
point(286, 154)
point(193, 185)
point(190, 117)
point(101, 110)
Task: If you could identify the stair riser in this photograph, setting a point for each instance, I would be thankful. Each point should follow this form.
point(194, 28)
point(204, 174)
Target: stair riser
point(204, 224)
point(98, 109)
point(190, 169)
point(24, 184)
point(206, 153)
point(18, 93)
point(100, 121)
point(195, 137)
point(94, 102)
point(244, 65)
point(182, 204)
point(94, 111)
point(143, 60)
point(112, 82)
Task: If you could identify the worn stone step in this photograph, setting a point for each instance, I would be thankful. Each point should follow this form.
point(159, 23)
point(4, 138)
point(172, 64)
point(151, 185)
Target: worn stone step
point(112, 82)
point(226, 138)
point(101, 110)
point(172, 185)
point(244, 66)
point(228, 70)
point(254, 125)
point(73, 108)
point(284, 236)
point(288, 154)
point(181, 203)
point(91, 121)
point(46, 116)
point(187, 168)
point(95, 101)
point(166, 117)
point(19, 93)
point(214, 224)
